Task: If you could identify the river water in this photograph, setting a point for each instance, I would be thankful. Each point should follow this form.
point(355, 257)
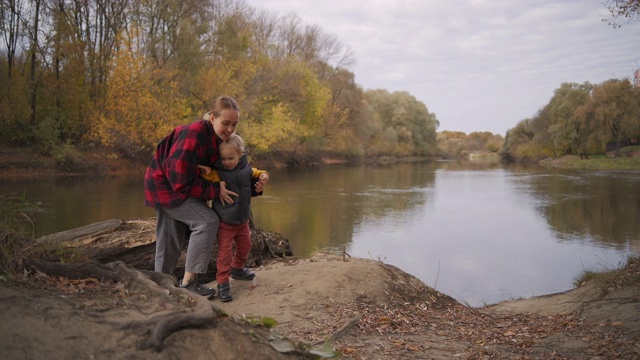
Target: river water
point(477, 231)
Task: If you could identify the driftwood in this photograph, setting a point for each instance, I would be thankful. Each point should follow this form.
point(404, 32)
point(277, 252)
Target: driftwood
point(132, 241)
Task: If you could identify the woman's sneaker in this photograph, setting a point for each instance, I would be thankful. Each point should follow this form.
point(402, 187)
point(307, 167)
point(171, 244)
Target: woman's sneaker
point(242, 274)
point(224, 292)
point(199, 288)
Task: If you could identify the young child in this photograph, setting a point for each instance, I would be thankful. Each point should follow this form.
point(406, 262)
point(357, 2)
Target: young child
point(234, 169)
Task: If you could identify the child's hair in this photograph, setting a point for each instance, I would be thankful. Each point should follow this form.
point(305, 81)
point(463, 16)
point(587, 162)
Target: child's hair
point(234, 141)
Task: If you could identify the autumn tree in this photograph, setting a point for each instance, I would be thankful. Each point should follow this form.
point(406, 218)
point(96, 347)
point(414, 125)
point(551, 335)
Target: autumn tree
point(452, 142)
point(579, 119)
point(347, 124)
point(289, 116)
point(120, 73)
point(588, 142)
point(11, 14)
point(616, 108)
point(567, 128)
point(14, 94)
point(142, 103)
point(459, 143)
point(407, 127)
point(518, 142)
point(235, 66)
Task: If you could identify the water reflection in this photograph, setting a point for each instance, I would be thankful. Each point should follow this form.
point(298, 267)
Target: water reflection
point(479, 232)
point(74, 202)
point(599, 207)
point(323, 205)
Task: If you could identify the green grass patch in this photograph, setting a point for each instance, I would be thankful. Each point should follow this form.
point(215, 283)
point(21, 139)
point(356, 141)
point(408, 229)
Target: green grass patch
point(264, 321)
point(628, 149)
point(603, 162)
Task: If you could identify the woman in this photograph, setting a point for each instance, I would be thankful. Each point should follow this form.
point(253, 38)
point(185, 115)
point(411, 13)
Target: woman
point(178, 194)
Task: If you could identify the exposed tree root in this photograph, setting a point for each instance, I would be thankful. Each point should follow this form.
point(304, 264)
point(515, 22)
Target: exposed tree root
point(202, 314)
point(159, 285)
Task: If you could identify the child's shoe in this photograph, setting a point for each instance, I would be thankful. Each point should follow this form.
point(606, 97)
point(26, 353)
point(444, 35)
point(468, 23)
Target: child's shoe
point(224, 292)
point(242, 274)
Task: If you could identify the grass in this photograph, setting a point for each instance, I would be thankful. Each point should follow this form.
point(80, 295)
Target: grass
point(15, 223)
point(627, 275)
point(627, 149)
point(603, 162)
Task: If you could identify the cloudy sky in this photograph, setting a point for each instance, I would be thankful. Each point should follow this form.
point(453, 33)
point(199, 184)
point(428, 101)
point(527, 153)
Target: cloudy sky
point(479, 65)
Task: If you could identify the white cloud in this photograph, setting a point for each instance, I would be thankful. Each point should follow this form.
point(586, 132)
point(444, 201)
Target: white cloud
point(480, 65)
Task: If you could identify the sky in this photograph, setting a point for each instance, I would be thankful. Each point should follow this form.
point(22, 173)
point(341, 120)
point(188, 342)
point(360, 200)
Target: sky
point(478, 65)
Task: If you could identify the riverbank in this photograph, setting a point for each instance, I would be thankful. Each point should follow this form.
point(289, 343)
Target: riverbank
point(25, 163)
point(606, 163)
point(363, 309)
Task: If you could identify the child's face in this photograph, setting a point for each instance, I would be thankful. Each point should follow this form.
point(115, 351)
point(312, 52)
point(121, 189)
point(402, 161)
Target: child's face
point(230, 157)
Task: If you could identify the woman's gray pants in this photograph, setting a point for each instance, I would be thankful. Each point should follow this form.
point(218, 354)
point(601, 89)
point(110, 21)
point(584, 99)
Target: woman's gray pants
point(171, 231)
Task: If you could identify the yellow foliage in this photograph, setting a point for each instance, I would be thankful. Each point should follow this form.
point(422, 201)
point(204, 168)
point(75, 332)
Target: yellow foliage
point(304, 93)
point(526, 151)
point(142, 103)
point(279, 130)
point(317, 96)
point(226, 78)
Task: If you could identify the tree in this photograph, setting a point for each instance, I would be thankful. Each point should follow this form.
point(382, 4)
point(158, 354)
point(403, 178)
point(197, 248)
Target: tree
point(566, 127)
point(627, 10)
point(451, 142)
point(11, 13)
point(517, 142)
point(142, 102)
point(33, 51)
point(616, 108)
point(346, 127)
point(118, 72)
point(291, 110)
point(15, 109)
point(407, 127)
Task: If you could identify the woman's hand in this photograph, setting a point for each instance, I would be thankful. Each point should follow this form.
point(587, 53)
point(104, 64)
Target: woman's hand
point(204, 169)
point(225, 195)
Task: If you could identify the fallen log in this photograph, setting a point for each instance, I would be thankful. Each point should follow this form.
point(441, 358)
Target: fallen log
point(132, 241)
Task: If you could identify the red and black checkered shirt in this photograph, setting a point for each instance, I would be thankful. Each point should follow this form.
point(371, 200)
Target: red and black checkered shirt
point(173, 174)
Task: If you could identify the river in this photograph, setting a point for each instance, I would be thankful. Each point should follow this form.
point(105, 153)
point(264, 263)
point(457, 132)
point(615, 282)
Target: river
point(480, 232)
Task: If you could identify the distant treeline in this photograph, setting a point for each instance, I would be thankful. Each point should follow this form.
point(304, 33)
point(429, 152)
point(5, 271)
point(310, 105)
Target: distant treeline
point(122, 73)
point(580, 119)
point(457, 143)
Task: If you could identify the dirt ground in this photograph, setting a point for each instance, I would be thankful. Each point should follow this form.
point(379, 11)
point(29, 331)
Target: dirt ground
point(362, 309)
